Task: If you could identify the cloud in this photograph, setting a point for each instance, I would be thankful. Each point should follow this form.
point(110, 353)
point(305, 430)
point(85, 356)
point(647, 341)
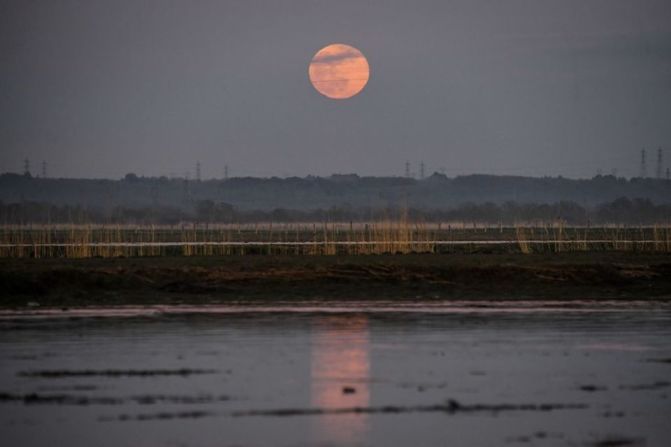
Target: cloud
point(337, 54)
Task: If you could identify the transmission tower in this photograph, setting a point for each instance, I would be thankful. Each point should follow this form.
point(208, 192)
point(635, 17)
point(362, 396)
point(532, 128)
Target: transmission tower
point(644, 168)
point(225, 172)
point(659, 163)
point(26, 167)
point(198, 171)
point(407, 169)
point(421, 171)
point(44, 169)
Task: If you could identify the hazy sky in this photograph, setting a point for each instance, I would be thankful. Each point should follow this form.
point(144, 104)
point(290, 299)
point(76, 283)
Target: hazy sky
point(531, 87)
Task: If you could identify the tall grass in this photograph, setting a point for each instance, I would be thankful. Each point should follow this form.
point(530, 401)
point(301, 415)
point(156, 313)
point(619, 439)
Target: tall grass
point(387, 236)
point(326, 238)
point(557, 237)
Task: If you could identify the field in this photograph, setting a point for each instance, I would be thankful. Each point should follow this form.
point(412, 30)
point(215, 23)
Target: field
point(90, 265)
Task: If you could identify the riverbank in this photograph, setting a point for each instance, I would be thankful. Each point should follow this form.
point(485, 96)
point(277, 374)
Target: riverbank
point(195, 280)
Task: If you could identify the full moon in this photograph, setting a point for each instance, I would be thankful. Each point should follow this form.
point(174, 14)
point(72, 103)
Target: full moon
point(339, 71)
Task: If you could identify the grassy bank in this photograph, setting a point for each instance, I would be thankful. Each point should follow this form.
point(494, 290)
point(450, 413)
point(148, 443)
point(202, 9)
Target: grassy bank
point(217, 279)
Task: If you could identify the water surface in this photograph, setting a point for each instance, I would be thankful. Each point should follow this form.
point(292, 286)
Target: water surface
point(383, 373)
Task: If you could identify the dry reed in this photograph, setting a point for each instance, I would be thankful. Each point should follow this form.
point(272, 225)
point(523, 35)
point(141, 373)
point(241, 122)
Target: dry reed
point(387, 236)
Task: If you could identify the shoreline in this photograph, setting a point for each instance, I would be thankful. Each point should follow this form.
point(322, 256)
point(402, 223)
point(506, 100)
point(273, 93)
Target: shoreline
point(372, 307)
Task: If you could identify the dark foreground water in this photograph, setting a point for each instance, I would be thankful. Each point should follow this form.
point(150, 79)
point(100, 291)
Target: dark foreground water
point(425, 374)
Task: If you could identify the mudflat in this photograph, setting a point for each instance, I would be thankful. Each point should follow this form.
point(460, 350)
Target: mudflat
point(200, 280)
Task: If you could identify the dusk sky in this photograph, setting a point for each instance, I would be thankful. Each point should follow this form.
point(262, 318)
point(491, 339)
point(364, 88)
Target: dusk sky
point(533, 87)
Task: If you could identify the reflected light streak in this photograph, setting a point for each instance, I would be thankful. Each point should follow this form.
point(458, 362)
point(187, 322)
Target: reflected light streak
point(340, 359)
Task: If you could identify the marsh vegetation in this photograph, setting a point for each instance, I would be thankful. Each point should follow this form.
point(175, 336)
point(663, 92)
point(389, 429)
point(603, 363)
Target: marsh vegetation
point(400, 236)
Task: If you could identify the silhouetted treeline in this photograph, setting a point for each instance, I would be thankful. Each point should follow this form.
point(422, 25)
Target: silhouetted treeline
point(334, 192)
point(620, 211)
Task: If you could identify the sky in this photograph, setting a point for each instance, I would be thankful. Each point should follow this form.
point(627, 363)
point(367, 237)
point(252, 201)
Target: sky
point(519, 87)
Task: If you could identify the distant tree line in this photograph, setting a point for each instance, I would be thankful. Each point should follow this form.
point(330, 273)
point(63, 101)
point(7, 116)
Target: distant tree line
point(620, 211)
point(436, 192)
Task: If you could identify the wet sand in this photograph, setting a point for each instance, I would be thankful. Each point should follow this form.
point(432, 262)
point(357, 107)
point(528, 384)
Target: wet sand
point(561, 373)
